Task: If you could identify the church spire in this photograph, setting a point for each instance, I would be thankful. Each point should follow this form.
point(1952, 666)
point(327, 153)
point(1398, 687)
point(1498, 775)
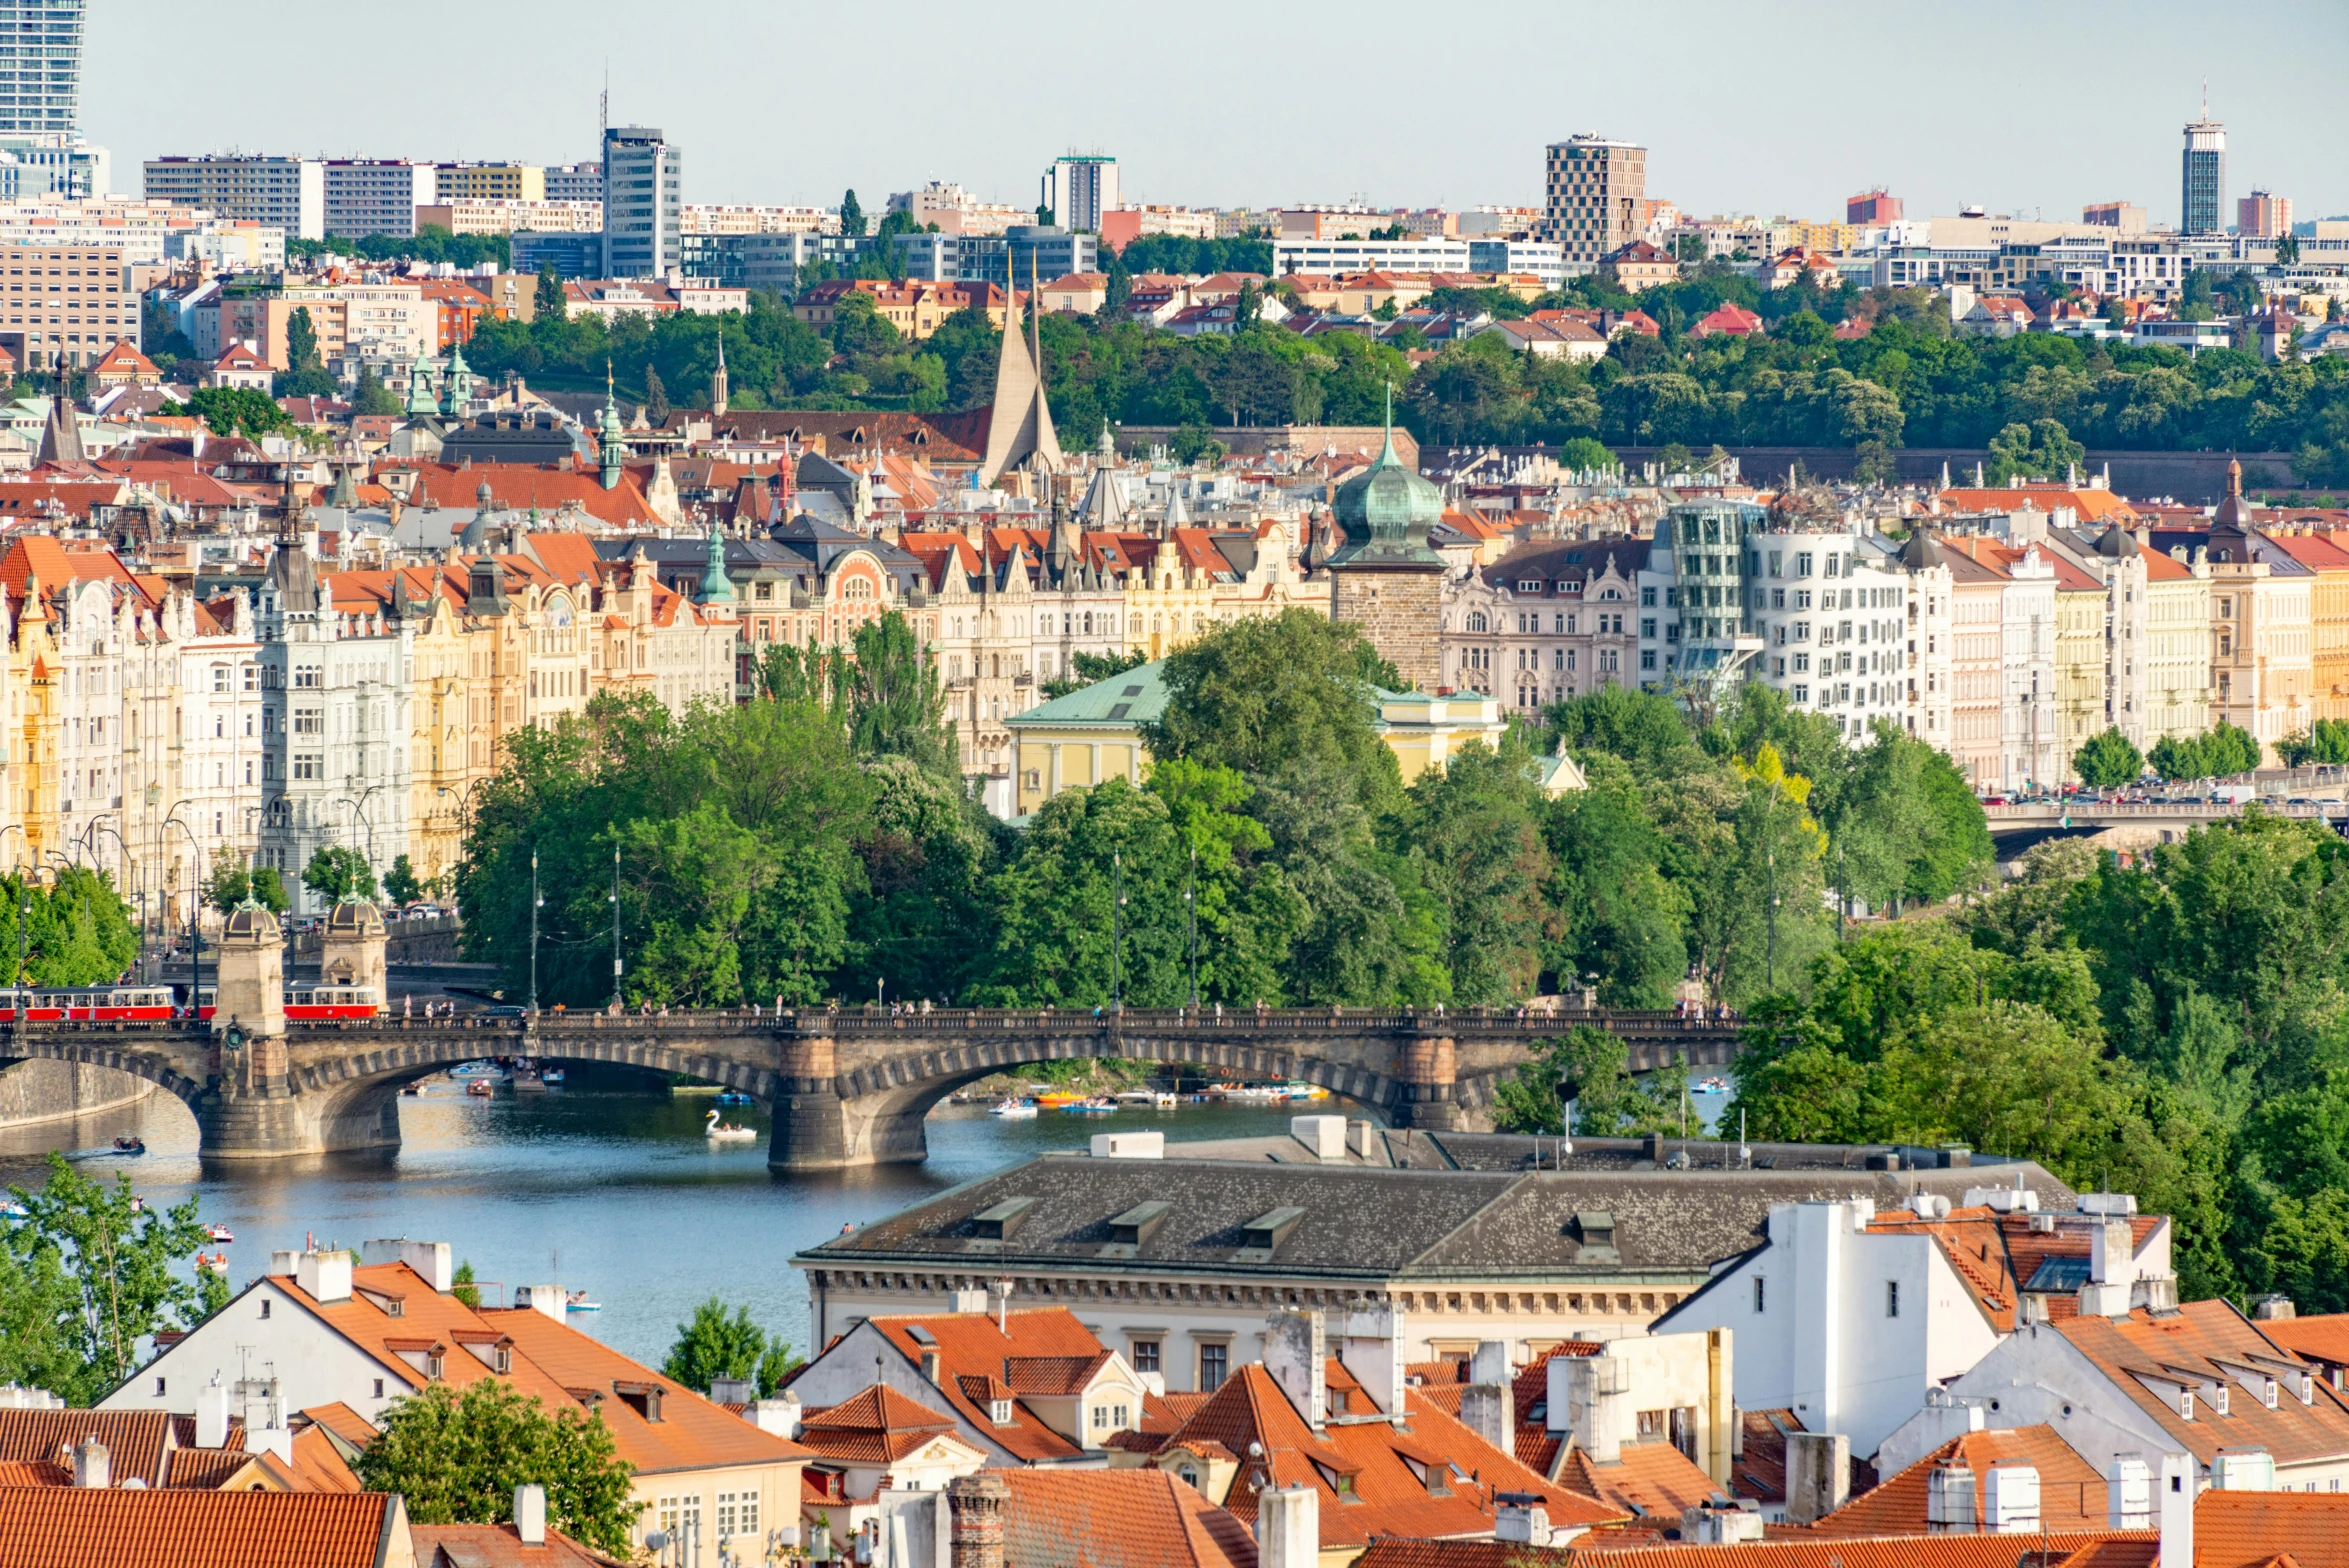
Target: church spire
point(1019, 426)
point(718, 379)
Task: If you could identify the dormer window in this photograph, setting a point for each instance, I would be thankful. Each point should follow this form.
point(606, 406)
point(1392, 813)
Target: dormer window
point(432, 1365)
point(999, 1411)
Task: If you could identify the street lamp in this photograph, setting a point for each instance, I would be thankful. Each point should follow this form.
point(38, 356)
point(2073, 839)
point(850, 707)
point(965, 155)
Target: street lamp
point(359, 810)
point(615, 929)
point(535, 901)
point(1191, 913)
point(1117, 930)
point(195, 917)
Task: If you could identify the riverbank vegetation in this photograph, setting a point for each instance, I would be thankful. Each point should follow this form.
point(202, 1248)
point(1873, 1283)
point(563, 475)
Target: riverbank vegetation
point(818, 844)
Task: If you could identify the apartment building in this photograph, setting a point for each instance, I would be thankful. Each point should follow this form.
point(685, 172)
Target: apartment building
point(41, 72)
point(1547, 622)
point(66, 302)
point(1831, 610)
point(2328, 561)
point(499, 182)
point(2008, 687)
point(503, 215)
point(643, 204)
point(1697, 576)
point(1593, 195)
point(1078, 189)
point(1928, 643)
point(384, 322)
point(704, 219)
point(286, 193)
point(368, 196)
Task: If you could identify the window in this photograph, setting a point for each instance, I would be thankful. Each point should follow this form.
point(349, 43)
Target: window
point(265, 1308)
point(1802, 563)
point(738, 1514)
point(1647, 597)
point(1145, 1355)
point(1213, 1360)
point(378, 1388)
point(1777, 560)
point(1647, 658)
point(1892, 1298)
point(159, 1388)
point(1647, 626)
point(1761, 1292)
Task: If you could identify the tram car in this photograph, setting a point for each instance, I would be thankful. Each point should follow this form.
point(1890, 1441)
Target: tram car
point(313, 1002)
point(88, 1004)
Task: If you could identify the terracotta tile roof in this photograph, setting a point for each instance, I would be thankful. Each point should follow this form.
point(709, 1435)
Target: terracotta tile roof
point(2093, 506)
point(1432, 1477)
point(1759, 1471)
point(877, 1426)
point(971, 1347)
point(2316, 551)
point(497, 1546)
point(84, 1527)
point(23, 1472)
point(320, 1465)
point(1053, 1375)
point(2162, 567)
point(1909, 1551)
point(1650, 1480)
point(2322, 1338)
point(135, 1440)
point(29, 500)
point(518, 487)
point(204, 1469)
point(2209, 1341)
point(1117, 1519)
point(2249, 1529)
point(2072, 1495)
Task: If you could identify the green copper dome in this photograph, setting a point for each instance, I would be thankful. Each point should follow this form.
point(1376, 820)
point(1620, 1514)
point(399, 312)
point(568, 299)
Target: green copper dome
point(1386, 511)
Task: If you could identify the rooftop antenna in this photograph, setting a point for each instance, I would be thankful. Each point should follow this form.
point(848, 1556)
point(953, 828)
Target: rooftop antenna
point(603, 108)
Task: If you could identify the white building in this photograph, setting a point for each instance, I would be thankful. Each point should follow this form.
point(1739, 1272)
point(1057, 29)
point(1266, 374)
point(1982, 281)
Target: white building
point(287, 193)
point(364, 196)
point(1832, 609)
point(1850, 1319)
point(1079, 189)
point(1343, 258)
point(643, 202)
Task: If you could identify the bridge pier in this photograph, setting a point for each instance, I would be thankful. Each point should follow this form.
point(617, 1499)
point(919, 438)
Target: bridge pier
point(811, 1128)
point(1428, 1087)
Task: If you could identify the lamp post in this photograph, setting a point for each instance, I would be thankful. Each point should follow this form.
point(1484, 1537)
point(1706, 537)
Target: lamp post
point(195, 917)
point(359, 810)
point(615, 928)
point(534, 903)
point(1191, 914)
point(24, 917)
point(1117, 931)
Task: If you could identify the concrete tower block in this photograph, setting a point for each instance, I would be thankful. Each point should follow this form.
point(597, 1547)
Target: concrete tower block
point(352, 947)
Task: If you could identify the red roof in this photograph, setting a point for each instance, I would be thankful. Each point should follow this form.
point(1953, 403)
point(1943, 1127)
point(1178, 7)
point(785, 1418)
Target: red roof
point(497, 1546)
point(2253, 1529)
point(1729, 320)
point(117, 1527)
point(877, 1426)
point(1117, 1519)
point(518, 487)
point(2072, 1495)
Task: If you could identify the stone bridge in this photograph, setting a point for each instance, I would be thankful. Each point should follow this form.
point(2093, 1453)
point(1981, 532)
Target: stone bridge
point(845, 1088)
point(2015, 828)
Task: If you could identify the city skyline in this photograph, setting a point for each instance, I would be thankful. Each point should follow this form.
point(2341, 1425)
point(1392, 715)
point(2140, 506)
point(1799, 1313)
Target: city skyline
point(1251, 123)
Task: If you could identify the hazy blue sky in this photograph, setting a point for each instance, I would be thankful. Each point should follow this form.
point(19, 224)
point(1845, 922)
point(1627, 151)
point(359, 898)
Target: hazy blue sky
point(1766, 108)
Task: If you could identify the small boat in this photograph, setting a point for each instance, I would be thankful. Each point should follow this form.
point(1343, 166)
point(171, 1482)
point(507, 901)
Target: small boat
point(1303, 1091)
point(1058, 1099)
point(217, 1233)
point(735, 1097)
point(726, 1132)
point(529, 1083)
point(11, 1209)
point(129, 1145)
point(1712, 1086)
point(477, 1070)
point(480, 1087)
point(679, 1089)
point(1165, 1102)
point(1099, 1105)
point(576, 1301)
point(412, 1089)
point(1135, 1097)
point(1015, 1110)
point(212, 1263)
point(550, 1075)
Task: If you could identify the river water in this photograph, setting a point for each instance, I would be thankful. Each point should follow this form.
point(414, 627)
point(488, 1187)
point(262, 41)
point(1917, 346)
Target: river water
point(605, 1185)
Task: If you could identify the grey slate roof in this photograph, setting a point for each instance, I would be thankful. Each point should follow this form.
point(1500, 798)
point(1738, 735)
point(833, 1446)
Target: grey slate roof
point(1372, 1225)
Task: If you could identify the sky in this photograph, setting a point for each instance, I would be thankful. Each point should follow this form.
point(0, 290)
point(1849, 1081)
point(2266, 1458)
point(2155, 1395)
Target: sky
point(1782, 108)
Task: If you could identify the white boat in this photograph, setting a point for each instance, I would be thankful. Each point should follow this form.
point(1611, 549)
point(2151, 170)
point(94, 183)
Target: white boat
point(1135, 1097)
point(218, 1233)
point(1166, 1102)
point(576, 1301)
point(726, 1132)
point(477, 1070)
point(1015, 1110)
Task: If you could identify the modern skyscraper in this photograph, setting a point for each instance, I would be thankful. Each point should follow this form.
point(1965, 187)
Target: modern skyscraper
point(2203, 186)
point(643, 202)
point(1595, 190)
point(1079, 189)
point(40, 65)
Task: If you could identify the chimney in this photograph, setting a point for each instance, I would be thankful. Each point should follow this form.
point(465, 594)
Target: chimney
point(430, 1259)
point(2243, 1470)
point(1360, 1136)
point(1949, 1499)
point(2010, 1498)
point(1521, 1518)
point(90, 1463)
point(1593, 1402)
point(541, 1298)
point(1487, 1405)
point(2112, 1270)
point(733, 1391)
point(324, 1275)
point(971, 1298)
point(779, 1417)
point(1372, 1350)
point(530, 1514)
point(1324, 1135)
point(2176, 1502)
point(1288, 1528)
point(212, 1416)
point(265, 1428)
point(2129, 1494)
point(1726, 1525)
point(1818, 1475)
point(2271, 1307)
point(1293, 1354)
point(976, 1503)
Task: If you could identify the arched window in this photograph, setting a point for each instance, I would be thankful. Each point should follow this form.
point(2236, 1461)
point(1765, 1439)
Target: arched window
point(1476, 621)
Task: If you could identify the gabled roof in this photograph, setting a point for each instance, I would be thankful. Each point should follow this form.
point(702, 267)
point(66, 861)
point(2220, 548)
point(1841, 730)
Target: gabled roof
point(75, 1527)
point(2321, 1338)
point(974, 1356)
point(497, 1546)
point(878, 1426)
point(2072, 1493)
point(1648, 1481)
point(2093, 506)
point(2255, 1529)
point(2101, 1549)
point(136, 1440)
point(1117, 1519)
point(2208, 1340)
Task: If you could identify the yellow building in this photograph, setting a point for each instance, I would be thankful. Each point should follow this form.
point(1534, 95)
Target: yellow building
point(2329, 615)
point(2080, 602)
point(1096, 734)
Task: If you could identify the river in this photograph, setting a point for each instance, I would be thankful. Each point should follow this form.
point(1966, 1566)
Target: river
point(605, 1185)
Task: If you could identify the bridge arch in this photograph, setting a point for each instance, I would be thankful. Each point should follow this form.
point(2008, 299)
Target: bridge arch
point(156, 1067)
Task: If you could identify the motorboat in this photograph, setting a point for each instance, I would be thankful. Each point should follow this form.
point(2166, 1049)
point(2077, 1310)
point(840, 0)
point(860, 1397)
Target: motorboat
point(529, 1083)
point(726, 1132)
point(1015, 1110)
point(1165, 1102)
point(212, 1263)
point(480, 1087)
point(11, 1209)
point(129, 1145)
point(1058, 1099)
point(735, 1097)
point(1135, 1097)
point(218, 1233)
point(550, 1075)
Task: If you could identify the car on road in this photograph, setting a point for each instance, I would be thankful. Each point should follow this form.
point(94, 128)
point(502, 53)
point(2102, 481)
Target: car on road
point(501, 1010)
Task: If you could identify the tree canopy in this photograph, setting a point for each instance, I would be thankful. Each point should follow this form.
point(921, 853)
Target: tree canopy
point(457, 1455)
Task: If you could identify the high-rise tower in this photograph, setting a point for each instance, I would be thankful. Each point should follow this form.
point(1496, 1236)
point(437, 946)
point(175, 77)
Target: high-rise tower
point(40, 66)
point(2203, 185)
point(1595, 192)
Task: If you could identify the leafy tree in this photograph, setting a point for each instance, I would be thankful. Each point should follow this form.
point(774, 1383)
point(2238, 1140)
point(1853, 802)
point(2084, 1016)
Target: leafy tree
point(713, 1345)
point(269, 889)
point(457, 1455)
point(1587, 1068)
point(1473, 830)
point(229, 885)
point(896, 708)
point(852, 216)
point(1262, 695)
point(1086, 669)
point(656, 397)
point(400, 884)
point(305, 374)
point(1582, 452)
point(2108, 761)
point(86, 1275)
point(462, 1286)
point(371, 396)
point(337, 872)
point(238, 411)
point(547, 300)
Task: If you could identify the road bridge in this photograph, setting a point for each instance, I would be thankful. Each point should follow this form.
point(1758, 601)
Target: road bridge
point(2015, 828)
point(846, 1087)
